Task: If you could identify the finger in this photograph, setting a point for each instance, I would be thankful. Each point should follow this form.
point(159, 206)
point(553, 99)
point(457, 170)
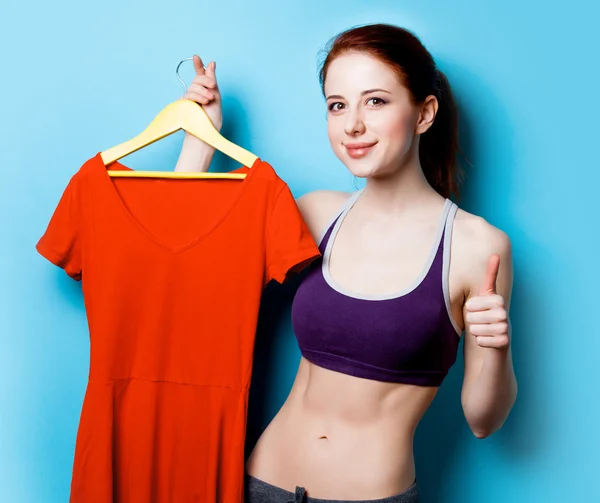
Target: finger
point(197, 97)
point(489, 330)
point(198, 65)
point(493, 342)
point(211, 70)
point(205, 81)
point(199, 89)
point(493, 315)
point(484, 302)
point(491, 275)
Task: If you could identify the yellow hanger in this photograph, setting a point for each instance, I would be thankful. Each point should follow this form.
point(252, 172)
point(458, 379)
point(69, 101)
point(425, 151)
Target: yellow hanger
point(191, 117)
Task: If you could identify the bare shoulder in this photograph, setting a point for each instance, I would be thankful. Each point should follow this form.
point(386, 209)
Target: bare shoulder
point(480, 236)
point(474, 241)
point(319, 207)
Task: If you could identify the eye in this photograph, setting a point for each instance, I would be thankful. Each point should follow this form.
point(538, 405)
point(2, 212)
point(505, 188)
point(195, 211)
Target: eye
point(377, 102)
point(335, 106)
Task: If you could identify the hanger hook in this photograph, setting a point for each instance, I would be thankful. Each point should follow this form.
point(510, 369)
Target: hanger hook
point(177, 72)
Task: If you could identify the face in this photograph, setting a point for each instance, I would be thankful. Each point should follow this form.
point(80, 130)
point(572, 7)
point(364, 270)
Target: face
point(371, 119)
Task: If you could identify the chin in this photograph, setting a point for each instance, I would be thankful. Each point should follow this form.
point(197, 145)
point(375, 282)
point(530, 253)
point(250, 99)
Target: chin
point(363, 168)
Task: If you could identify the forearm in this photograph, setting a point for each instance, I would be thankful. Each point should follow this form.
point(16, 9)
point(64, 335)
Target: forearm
point(195, 155)
point(489, 397)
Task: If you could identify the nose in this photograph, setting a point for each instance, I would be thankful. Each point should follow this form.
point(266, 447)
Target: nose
point(354, 125)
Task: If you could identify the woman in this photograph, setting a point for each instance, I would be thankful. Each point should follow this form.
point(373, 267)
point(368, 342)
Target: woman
point(379, 318)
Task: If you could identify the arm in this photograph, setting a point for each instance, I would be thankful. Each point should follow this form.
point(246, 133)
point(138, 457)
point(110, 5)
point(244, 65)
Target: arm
point(319, 207)
point(196, 155)
point(490, 387)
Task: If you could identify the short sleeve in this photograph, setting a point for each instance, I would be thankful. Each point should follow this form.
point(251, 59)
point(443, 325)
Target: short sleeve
point(61, 243)
point(290, 246)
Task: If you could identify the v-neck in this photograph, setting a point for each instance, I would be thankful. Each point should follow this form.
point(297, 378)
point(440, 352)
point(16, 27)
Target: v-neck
point(109, 186)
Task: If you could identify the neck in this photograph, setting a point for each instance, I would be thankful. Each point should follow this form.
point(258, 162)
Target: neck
point(405, 188)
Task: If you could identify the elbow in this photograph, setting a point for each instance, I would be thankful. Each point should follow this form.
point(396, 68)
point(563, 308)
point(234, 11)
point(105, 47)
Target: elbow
point(483, 421)
point(479, 426)
point(482, 433)
point(482, 426)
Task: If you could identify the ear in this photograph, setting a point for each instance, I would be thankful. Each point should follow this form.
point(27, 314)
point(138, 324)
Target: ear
point(427, 113)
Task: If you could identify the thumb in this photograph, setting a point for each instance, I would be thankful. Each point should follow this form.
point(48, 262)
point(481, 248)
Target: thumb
point(198, 65)
point(491, 275)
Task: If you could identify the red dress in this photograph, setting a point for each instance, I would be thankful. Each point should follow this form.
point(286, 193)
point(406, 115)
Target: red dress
point(172, 274)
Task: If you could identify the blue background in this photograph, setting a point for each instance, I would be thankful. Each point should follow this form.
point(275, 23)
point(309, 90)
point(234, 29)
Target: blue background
point(79, 78)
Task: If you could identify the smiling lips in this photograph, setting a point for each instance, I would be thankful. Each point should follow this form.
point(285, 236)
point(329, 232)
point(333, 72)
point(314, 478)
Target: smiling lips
point(358, 150)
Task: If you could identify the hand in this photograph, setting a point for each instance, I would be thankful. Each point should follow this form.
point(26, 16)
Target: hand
point(486, 315)
point(205, 91)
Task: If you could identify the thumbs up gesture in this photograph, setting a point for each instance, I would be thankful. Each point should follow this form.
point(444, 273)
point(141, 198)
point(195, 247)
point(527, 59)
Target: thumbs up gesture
point(205, 91)
point(486, 315)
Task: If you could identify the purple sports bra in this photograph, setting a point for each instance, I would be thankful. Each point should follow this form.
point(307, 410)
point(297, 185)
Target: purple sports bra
point(406, 337)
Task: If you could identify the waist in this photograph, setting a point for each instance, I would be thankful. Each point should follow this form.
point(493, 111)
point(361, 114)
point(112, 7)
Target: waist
point(331, 463)
point(356, 432)
point(259, 490)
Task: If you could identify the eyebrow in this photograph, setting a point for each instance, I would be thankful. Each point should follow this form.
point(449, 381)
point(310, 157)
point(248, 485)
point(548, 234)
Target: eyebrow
point(368, 91)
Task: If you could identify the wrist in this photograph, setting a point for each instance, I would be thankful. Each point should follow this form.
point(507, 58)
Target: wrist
point(195, 155)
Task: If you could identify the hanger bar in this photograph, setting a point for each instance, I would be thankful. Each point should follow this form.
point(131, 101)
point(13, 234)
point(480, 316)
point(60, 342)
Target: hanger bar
point(118, 173)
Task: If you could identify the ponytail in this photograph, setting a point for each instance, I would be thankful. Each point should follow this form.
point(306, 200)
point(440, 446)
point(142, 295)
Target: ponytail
point(438, 148)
